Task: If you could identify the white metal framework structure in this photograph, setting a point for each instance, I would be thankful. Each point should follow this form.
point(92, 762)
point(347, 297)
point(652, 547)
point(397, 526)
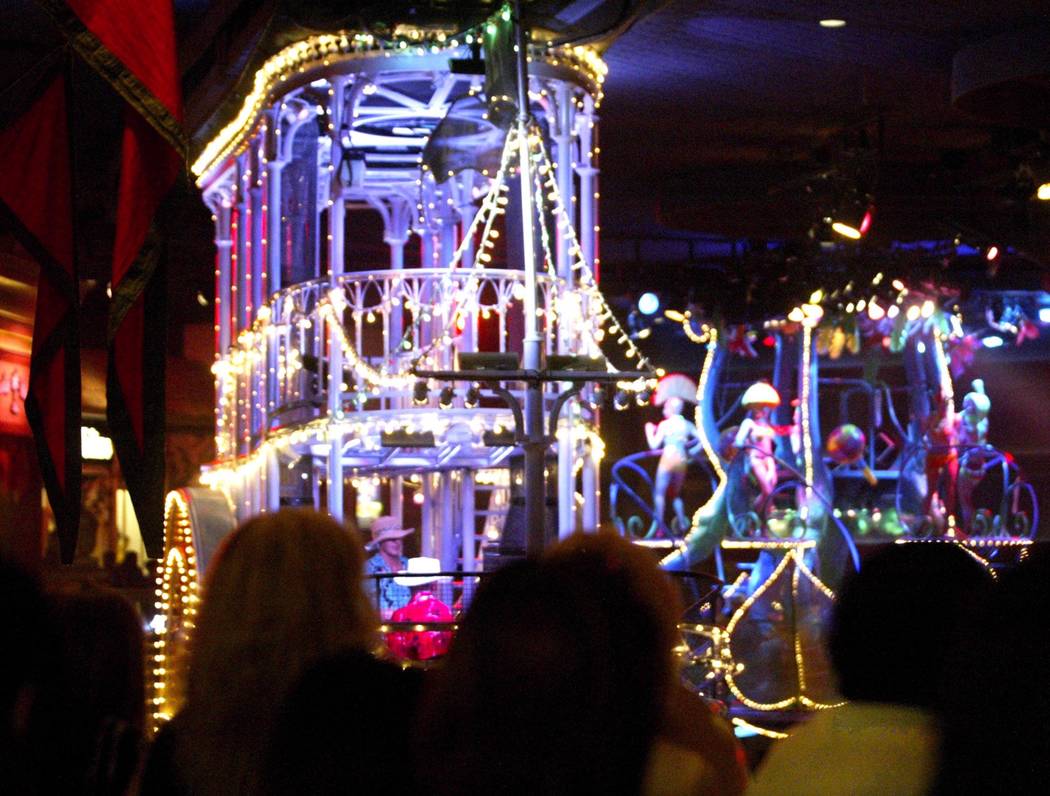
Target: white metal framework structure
point(314, 345)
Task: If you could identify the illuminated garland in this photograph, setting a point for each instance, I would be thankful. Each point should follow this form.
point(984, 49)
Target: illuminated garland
point(325, 49)
point(791, 556)
point(178, 593)
point(604, 314)
point(705, 443)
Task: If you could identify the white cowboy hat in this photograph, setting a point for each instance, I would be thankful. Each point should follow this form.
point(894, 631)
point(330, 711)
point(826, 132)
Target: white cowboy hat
point(387, 527)
point(420, 571)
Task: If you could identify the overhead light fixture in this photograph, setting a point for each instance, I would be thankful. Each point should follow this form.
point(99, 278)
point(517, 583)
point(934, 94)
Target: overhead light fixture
point(473, 397)
point(446, 396)
point(420, 393)
point(1042, 193)
point(832, 23)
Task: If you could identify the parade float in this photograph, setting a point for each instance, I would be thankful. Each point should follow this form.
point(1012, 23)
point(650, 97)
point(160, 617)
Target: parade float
point(909, 457)
point(368, 202)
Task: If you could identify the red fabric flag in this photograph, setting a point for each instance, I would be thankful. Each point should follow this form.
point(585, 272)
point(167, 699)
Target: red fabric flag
point(36, 193)
point(131, 43)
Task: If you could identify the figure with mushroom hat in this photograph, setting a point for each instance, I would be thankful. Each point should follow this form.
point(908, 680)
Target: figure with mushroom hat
point(678, 441)
point(973, 438)
point(756, 437)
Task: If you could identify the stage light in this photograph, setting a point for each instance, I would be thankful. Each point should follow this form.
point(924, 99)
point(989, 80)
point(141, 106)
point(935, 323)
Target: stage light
point(621, 400)
point(1042, 193)
point(420, 393)
point(473, 397)
point(832, 23)
point(1044, 315)
point(648, 303)
point(846, 231)
point(644, 397)
point(992, 253)
point(853, 227)
point(992, 341)
point(446, 396)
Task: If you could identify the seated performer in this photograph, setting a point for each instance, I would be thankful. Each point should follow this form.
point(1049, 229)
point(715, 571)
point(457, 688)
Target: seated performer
point(387, 536)
point(941, 436)
point(973, 438)
point(676, 436)
point(420, 645)
point(756, 434)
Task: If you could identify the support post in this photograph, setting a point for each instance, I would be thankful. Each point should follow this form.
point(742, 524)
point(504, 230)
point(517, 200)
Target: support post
point(446, 534)
point(335, 476)
point(535, 445)
point(467, 525)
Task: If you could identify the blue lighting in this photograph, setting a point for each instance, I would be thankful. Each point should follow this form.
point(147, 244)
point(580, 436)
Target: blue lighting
point(992, 341)
point(648, 303)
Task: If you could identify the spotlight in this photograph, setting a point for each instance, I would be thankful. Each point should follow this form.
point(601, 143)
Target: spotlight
point(1042, 193)
point(992, 253)
point(598, 395)
point(992, 341)
point(420, 393)
point(445, 397)
point(621, 400)
point(648, 303)
point(1044, 315)
point(473, 397)
point(644, 397)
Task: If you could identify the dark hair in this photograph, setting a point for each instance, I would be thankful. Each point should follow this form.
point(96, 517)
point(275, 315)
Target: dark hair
point(558, 678)
point(896, 620)
point(28, 671)
point(995, 738)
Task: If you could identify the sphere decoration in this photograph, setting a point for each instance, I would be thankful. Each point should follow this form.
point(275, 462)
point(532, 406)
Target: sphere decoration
point(846, 445)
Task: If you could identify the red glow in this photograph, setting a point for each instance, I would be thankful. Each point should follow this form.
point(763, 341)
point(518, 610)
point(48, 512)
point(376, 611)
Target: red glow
point(769, 341)
point(865, 223)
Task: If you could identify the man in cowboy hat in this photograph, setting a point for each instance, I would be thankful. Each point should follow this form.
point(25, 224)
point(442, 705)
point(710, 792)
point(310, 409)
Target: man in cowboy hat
point(420, 575)
point(387, 535)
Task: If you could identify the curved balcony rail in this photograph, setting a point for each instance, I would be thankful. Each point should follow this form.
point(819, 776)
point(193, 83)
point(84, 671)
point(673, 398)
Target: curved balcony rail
point(345, 351)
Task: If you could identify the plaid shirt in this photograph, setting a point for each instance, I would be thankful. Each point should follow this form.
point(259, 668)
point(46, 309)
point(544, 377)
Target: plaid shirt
point(391, 596)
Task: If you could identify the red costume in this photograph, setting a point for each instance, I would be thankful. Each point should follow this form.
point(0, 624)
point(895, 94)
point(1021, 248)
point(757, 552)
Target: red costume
point(424, 644)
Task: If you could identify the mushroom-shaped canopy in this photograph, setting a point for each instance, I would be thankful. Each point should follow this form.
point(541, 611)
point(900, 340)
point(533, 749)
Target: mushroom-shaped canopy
point(760, 393)
point(675, 385)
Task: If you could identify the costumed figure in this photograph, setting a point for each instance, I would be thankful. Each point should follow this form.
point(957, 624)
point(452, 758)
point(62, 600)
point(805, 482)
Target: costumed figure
point(973, 440)
point(420, 645)
point(941, 459)
point(678, 440)
point(387, 536)
point(755, 438)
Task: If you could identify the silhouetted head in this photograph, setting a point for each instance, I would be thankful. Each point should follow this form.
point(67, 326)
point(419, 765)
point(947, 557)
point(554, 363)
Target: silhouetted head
point(896, 620)
point(283, 591)
point(558, 678)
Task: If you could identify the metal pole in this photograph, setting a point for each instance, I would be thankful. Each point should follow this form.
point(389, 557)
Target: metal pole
point(534, 446)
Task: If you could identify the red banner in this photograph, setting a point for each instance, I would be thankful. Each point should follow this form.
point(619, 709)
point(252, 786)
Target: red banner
point(35, 191)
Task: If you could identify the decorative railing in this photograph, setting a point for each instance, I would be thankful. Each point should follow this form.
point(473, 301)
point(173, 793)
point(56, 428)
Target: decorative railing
point(376, 326)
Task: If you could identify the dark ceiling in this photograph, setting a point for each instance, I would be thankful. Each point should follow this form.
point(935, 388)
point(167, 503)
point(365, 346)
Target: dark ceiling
point(733, 126)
